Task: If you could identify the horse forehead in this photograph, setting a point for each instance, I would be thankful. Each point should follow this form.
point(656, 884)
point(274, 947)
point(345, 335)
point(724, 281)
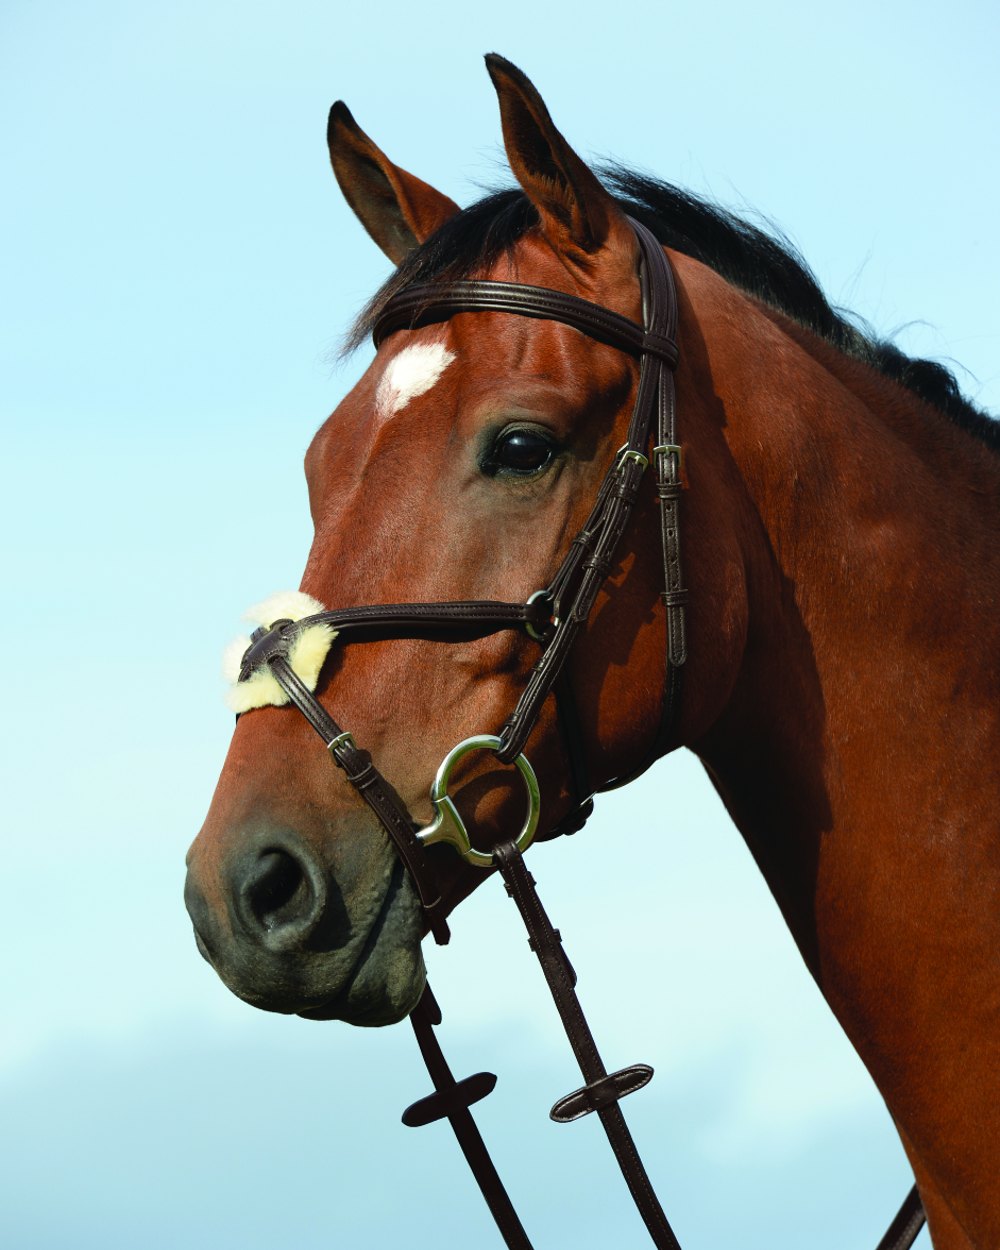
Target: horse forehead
point(410, 373)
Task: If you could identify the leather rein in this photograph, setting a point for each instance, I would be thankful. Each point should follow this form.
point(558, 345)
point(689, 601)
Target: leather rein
point(554, 617)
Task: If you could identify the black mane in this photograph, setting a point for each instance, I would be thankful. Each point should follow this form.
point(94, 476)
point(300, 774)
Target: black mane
point(762, 264)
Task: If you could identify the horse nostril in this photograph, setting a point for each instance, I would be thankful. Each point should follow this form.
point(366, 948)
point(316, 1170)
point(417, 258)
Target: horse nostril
point(280, 896)
point(277, 890)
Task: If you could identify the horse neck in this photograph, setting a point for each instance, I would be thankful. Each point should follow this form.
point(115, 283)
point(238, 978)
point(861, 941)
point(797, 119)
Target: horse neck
point(868, 530)
point(858, 749)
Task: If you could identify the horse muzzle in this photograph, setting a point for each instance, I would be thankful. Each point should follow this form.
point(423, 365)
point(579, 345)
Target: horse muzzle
point(274, 923)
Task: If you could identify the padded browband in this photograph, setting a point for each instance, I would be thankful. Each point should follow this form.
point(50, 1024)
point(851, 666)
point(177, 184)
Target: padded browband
point(425, 304)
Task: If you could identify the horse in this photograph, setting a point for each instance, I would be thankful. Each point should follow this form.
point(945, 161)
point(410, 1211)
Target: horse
point(840, 685)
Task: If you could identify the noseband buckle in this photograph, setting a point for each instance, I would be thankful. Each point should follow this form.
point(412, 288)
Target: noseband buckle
point(345, 739)
point(448, 826)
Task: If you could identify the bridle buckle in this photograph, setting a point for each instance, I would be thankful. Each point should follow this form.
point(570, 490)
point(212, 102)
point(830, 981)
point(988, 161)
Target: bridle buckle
point(672, 449)
point(626, 453)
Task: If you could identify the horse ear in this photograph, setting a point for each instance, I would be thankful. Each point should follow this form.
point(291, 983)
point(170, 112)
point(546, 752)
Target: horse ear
point(397, 209)
point(576, 211)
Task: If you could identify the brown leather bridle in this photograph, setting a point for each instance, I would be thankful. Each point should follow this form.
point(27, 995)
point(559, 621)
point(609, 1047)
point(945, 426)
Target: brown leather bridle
point(553, 617)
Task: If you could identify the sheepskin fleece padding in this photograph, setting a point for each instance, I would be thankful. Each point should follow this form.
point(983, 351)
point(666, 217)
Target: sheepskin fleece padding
point(305, 656)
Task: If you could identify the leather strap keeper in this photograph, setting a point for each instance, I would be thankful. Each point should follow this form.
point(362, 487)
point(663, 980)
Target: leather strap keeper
point(602, 1093)
point(445, 1102)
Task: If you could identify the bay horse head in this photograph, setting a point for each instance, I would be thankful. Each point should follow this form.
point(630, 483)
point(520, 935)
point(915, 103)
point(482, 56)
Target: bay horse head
point(459, 468)
point(842, 557)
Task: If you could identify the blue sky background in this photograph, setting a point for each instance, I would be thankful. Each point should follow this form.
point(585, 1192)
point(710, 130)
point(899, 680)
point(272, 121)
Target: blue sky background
point(176, 268)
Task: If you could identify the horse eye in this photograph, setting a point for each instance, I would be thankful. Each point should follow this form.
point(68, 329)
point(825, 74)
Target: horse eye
point(520, 451)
